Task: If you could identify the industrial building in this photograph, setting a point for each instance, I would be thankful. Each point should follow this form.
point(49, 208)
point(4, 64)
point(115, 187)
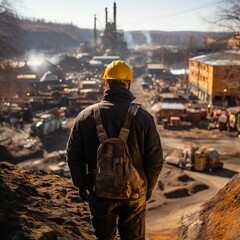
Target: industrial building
point(111, 38)
point(215, 78)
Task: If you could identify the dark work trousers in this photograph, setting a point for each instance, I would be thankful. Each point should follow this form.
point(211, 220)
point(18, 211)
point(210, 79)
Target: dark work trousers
point(127, 216)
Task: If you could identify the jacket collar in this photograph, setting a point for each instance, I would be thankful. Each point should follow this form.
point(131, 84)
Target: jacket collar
point(116, 93)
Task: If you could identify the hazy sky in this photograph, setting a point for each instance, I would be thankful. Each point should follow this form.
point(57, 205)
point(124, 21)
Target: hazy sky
point(166, 15)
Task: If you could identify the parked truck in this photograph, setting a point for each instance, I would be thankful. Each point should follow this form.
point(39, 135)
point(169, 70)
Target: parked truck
point(195, 158)
point(175, 122)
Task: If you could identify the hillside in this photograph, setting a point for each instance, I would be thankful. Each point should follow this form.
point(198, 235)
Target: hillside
point(182, 39)
point(42, 35)
point(40, 206)
point(28, 34)
point(218, 218)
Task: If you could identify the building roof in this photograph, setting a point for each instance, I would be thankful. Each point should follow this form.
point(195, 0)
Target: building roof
point(173, 106)
point(27, 76)
point(48, 76)
point(156, 66)
point(106, 59)
point(227, 58)
point(95, 63)
point(167, 95)
point(179, 71)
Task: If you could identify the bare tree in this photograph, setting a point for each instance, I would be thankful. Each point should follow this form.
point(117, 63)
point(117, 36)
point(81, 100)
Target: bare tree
point(7, 81)
point(228, 16)
point(8, 87)
point(232, 83)
point(9, 29)
point(8, 37)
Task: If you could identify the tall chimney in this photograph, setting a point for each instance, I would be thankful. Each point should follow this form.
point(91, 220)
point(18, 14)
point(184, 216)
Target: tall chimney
point(114, 15)
point(95, 31)
point(106, 16)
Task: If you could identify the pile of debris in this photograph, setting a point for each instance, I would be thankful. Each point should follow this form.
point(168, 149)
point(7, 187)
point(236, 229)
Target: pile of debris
point(17, 144)
point(172, 185)
point(218, 218)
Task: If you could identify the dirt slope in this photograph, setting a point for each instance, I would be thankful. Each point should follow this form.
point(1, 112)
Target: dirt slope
point(40, 205)
point(218, 218)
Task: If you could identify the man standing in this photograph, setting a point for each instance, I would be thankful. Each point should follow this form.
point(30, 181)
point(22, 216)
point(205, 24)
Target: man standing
point(144, 147)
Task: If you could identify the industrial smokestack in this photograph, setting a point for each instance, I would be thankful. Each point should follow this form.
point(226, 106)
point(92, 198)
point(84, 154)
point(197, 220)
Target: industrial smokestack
point(114, 15)
point(106, 16)
point(95, 31)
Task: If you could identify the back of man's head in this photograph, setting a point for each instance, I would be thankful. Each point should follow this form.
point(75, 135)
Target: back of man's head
point(118, 73)
point(118, 70)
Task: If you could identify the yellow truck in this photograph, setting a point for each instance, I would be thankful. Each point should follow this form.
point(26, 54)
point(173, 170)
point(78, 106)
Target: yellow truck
point(233, 123)
point(195, 158)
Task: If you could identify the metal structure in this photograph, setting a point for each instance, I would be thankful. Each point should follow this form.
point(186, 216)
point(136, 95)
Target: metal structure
point(112, 38)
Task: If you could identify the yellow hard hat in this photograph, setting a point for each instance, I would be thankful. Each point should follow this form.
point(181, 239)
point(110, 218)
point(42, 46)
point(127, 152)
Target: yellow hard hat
point(118, 70)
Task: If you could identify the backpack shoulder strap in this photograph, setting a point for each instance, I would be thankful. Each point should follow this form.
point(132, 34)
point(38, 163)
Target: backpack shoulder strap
point(124, 132)
point(102, 135)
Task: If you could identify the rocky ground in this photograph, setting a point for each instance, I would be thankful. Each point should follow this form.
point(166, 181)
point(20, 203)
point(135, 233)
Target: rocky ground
point(218, 218)
point(40, 205)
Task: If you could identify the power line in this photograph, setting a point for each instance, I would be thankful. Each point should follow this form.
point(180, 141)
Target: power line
point(191, 10)
point(181, 12)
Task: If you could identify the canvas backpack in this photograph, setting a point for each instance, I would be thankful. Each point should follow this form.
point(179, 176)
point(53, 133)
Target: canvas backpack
point(115, 175)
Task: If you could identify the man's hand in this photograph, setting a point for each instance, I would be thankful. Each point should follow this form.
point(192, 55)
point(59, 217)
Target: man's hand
point(148, 195)
point(84, 194)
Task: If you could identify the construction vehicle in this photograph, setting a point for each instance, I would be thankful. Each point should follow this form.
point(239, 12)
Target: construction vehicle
point(195, 158)
point(233, 123)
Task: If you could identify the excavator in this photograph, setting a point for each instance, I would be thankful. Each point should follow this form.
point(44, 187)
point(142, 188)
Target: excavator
point(195, 158)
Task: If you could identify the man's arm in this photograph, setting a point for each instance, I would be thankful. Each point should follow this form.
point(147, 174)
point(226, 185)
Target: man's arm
point(74, 157)
point(153, 157)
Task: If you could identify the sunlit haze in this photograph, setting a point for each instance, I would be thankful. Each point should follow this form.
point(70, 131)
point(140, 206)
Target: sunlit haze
point(175, 15)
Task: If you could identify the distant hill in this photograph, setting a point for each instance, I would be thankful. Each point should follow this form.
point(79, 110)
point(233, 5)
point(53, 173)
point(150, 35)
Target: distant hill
point(175, 38)
point(42, 35)
point(54, 36)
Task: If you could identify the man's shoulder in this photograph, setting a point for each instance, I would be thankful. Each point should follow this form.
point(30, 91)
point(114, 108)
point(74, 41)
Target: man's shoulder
point(87, 112)
point(142, 110)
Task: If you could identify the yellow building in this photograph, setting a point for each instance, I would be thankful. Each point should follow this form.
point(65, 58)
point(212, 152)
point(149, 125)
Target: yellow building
point(215, 78)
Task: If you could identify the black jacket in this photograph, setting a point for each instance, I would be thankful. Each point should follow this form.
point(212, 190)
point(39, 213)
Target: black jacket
point(144, 141)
